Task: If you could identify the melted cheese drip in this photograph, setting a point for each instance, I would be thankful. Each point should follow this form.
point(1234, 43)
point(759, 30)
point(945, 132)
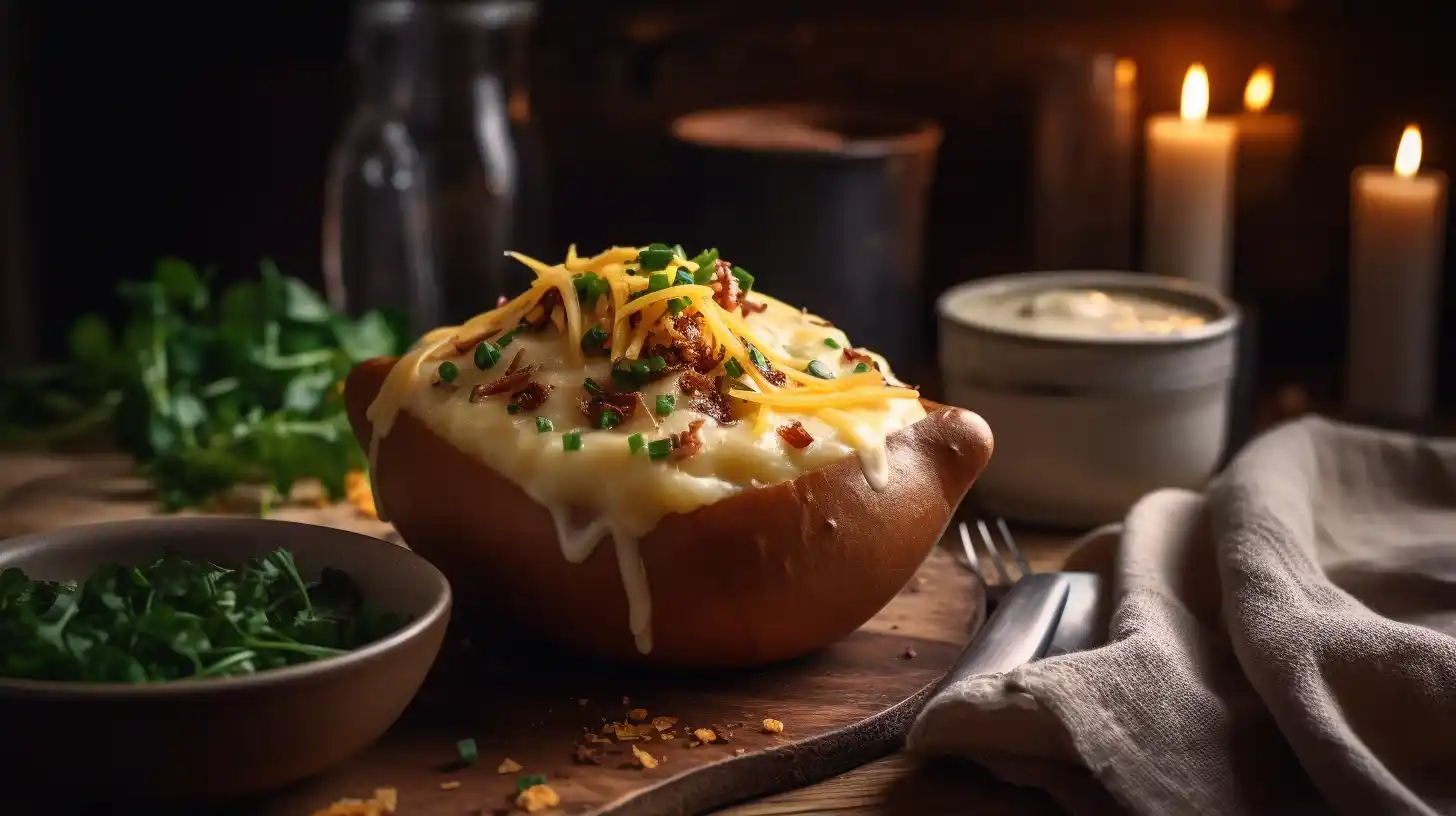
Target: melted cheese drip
point(626, 494)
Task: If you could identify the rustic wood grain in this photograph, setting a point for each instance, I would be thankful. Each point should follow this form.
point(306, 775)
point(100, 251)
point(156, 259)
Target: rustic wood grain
point(520, 703)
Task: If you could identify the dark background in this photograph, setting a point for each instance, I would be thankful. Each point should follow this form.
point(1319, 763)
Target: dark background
point(129, 130)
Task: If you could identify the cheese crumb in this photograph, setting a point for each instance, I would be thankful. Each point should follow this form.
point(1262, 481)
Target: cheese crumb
point(451, 785)
point(644, 759)
point(704, 735)
point(508, 766)
point(772, 726)
point(536, 798)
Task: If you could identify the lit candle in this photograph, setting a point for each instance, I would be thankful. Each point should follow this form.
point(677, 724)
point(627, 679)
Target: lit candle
point(1398, 225)
point(1189, 176)
point(1268, 142)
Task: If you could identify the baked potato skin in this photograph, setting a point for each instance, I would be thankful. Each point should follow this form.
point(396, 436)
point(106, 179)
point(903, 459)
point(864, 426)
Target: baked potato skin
point(766, 575)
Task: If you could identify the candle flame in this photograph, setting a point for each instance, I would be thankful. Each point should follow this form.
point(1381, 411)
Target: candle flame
point(1408, 155)
point(1260, 89)
point(1194, 104)
point(1124, 72)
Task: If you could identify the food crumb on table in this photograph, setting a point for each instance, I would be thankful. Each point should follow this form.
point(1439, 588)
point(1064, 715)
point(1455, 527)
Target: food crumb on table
point(772, 726)
point(385, 801)
point(451, 785)
point(909, 653)
point(537, 798)
point(704, 735)
point(508, 766)
point(643, 758)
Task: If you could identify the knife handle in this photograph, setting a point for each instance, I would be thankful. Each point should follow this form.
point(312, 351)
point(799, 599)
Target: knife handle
point(1019, 631)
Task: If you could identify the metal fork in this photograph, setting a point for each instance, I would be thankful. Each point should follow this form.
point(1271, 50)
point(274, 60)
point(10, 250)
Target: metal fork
point(993, 553)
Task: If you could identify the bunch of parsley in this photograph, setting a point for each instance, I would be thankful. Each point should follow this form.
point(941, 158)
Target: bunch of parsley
point(208, 390)
point(177, 618)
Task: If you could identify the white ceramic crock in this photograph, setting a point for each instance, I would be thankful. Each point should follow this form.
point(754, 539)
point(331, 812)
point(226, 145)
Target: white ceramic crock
point(1086, 426)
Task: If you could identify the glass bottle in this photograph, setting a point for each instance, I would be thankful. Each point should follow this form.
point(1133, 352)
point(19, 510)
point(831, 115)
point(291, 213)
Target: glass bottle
point(472, 120)
point(377, 242)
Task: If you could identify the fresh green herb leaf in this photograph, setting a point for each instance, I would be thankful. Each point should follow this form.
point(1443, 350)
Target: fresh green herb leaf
point(704, 275)
point(571, 441)
point(655, 258)
point(860, 368)
point(831, 342)
point(665, 404)
point(608, 419)
point(657, 281)
point(175, 618)
point(675, 306)
point(656, 363)
point(659, 449)
point(591, 386)
point(682, 277)
point(745, 280)
point(733, 368)
point(594, 339)
point(543, 425)
point(706, 258)
point(635, 442)
point(487, 354)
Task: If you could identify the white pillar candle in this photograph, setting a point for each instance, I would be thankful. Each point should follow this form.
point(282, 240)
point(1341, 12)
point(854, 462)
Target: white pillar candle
point(1189, 184)
point(1397, 237)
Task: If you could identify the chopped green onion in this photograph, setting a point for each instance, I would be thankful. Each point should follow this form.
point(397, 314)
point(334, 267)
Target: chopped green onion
point(512, 408)
point(657, 281)
point(756, 357)
point(861, 368)
point(591, 386)
point(449, 371)
point(831, 342)
point(676, 305)
point(659, 449)
point(682, 277)
point(665, 404)
point(657, 363)
point(624, 379)
point(732, 367)
point(487, 354)
point(819, 370)
point(640, 369)
point(530, 781)
point(635, 442)
point(657, 245)
point(571, 441)
point(679, 253)
point(508, 338)
point(467, 750)
point(590, 286)
point(543, 425)
point(608, 419)
point(745, 280)
point(706, 258)
point(704, 275)
point(592, 341)
point(653, 259)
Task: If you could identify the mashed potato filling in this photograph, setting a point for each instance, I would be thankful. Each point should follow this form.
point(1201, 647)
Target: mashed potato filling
point(602, 478)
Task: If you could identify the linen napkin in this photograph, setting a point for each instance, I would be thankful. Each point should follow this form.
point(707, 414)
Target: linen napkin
point(1282, 643)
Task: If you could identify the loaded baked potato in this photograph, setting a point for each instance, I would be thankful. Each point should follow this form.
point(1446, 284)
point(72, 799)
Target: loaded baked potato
point(644, 458)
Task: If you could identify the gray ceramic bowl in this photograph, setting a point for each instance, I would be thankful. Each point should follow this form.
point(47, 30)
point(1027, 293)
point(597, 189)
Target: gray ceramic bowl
point(205, 741)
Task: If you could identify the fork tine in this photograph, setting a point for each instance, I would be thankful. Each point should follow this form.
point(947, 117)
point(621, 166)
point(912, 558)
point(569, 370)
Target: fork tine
point(996, 560)
point(970, 548)
point(1010, 540)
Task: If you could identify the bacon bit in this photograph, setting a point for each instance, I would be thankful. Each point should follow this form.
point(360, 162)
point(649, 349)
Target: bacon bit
point(515, 361)
point(704, 735)
point(637, 714)
point(451, 785)
point(663, 723)
point(586, 755)
point(909, 653)
point(772, 726)
point(504, 384)
point(540, 314)
point(532, 396)
point(508, 766)
point(687, 443)
point(723, 732)
point(624, 403)
point(855, 356)
point(796, 434)
point(726, 290)
point(646, 760)
point(748, 307)
point(537, 798)
point(687, 345)
point(706, 396)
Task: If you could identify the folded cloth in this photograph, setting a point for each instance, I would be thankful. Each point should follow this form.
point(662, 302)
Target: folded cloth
point(1281, 644)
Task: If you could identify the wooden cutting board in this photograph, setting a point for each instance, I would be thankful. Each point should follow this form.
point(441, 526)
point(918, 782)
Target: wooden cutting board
point(840, 708)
